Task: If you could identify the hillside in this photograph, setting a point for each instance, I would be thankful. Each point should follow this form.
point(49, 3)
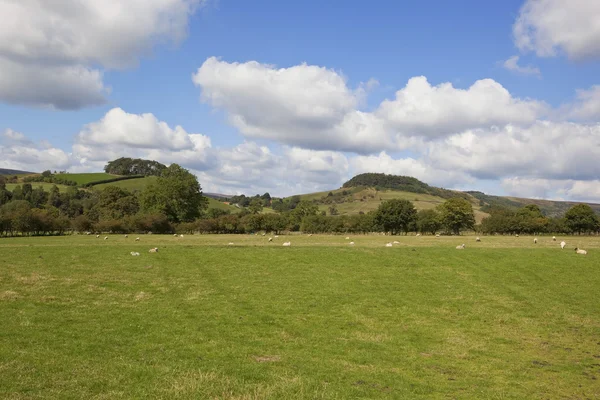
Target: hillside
point(6, 171)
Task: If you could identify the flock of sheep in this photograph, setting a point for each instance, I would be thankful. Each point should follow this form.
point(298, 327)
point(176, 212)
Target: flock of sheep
point(389, 244)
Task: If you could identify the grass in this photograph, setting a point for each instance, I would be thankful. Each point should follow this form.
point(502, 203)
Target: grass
point(82, 179)
point(130, 184)
point(46, 186)
point(213, 203)
point(502, 319)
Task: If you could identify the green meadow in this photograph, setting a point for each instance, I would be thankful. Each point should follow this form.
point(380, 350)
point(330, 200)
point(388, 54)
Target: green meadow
point(322, 319)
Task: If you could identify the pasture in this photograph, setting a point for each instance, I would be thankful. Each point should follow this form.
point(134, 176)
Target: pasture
point(201, 319)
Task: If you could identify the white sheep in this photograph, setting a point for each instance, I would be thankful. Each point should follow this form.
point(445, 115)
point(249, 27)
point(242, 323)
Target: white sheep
point(461, 247)
point(153, 250)
point(126, 236)
point(388, 245)
point(396, 242)
point(263, 234)
point(351, 243)
point(418, 234)
point(554, 238)
point(137, 239)
point(270, 239)
point(180, 236)
point(310, 234)
point(230, 244)
point(105, 237)
point(97, 236)
point(287, 244)
point(534, 240)
point(347, 237)
point(562, 244)
point(580, 251)
point(437, 235)
point(517, 235)
point(477, 239)
point(174, 235)
point(135, 253)
point(276, 236)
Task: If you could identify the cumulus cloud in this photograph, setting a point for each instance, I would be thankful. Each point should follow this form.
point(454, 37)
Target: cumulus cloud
point(51, 52)
point(312, 107)
point(19, 152)
point(552, 27)
point(547, 150)
point(421, 109)
point(587, 105)
point(512, 64)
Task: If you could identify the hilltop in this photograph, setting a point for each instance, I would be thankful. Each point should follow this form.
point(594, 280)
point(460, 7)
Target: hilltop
point(6, 171)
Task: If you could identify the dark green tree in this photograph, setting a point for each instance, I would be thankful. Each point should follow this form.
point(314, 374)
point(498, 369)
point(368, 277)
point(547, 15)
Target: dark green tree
point(581, 219)
point(175, 194)
point(395, 215)
point(457, 214)
point(428, 221)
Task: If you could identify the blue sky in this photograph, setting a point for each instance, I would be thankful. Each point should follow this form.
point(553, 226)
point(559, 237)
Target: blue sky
point(291, 97)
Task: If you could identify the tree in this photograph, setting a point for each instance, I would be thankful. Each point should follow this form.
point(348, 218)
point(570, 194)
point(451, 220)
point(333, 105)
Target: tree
point(581, 218)
point(428, 221)
point(134, 166)
point(456, 214)
point(333, 210)
point(175, 194)
point(396, 215)
point(256, 205)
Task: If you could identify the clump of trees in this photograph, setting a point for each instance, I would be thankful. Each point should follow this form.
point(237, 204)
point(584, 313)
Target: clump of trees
point(134, 166)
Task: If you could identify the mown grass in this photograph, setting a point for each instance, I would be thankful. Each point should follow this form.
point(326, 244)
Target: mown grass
point(35, 185)
point(502, 319)
point(82, 179)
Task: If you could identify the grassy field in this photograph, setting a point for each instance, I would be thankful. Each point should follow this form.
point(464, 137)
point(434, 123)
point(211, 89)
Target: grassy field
point(46, 186)
point(200, 319)
point(130, 184)
point(82, 179)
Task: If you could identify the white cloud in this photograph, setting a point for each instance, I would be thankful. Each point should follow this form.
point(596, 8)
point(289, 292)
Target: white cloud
point(512, 64)
point(63, 87)
point(118, 128)
point(52, 52)
point(547, 150)
point(18, 152)
point(420, 109)
point(529, 188)
point(553, 189)
point(551, 27)
point(312, 107)
point(587, 106)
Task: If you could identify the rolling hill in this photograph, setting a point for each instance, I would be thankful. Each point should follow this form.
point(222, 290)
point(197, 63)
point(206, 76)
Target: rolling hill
point(6, 171)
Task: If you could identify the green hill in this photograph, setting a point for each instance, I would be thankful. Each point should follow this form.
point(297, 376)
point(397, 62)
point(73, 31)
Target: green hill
point(83, 179)
point(6, 171)
point(130, 184)
point(46, 186)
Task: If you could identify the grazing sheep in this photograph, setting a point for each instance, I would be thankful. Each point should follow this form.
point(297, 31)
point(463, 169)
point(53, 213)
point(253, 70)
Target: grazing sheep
point(351, 243)
point(396, 242)
point(230, 244)
point(174, 235)
point(580, 251)
point(418, 234)
point(437, 235)
point(153, 250)
point(126, 236)
point(97, 236)
point(287, 244)
point(347, 237)
point(562, 244)
point(554, 238)
point(461, 247)
point(517, 235)
point(388, 245)
point(477, 239)
point(534, 240)
point(263, 234)
point(135, 253)
point(137, 239)
point(88, 233)
point(276, 236)
point(105, 237)
point(270, 239)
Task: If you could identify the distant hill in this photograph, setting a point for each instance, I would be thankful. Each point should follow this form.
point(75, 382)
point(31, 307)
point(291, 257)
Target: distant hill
point(5, 171)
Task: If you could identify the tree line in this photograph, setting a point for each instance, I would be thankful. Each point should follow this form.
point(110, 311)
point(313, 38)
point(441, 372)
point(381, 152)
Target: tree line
point(175, 203)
